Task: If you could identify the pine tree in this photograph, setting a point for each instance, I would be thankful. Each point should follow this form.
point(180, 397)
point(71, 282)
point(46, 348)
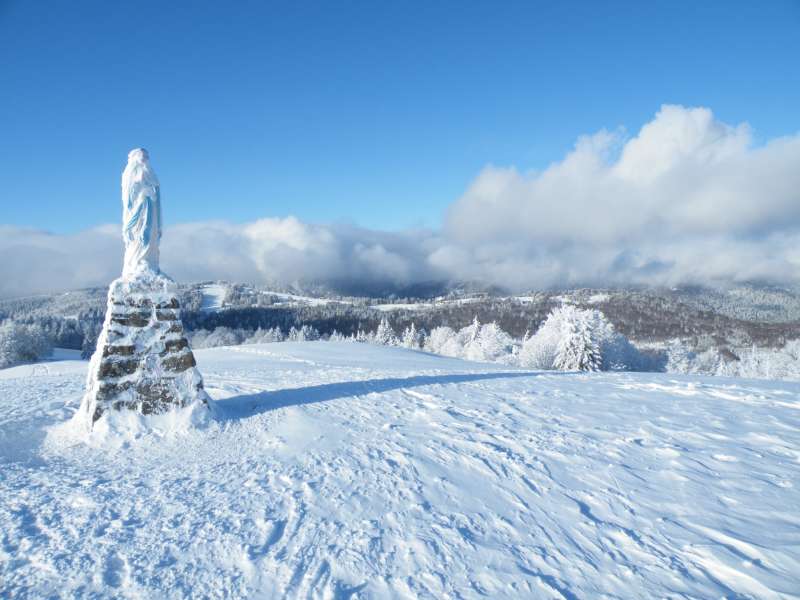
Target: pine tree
point(473, 330)
point(385, 335)
point(89, 342)
point(411, 337)
point(22, 343)
point(679, 358)
point(578, 349)
point(491, 344)
point(8, 354)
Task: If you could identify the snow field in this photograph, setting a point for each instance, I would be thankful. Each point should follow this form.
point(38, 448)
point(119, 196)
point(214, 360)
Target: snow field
point(338, 470)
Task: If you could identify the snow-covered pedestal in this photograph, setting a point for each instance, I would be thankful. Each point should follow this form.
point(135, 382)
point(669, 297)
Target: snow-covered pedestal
point(143, 361)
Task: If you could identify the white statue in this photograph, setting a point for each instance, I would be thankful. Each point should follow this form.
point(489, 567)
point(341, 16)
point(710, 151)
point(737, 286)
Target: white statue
point(141, 214)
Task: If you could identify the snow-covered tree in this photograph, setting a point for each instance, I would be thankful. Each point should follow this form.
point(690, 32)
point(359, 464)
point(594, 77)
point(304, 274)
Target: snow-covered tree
point(385, 335)
point(198, 338)
point(539, 350)
point(679, 357)
point(782, 363)
point(578, 347)
point(470, 333)
point(443, 340)
point(305, 333)
point(265, 336)
point(223, 336)
point(488, 344)
point(477, 342)
point(90, 335)
point(22, 343)
point(412, 338)
point(309, 333)
point(566, 329)
point(8, 345)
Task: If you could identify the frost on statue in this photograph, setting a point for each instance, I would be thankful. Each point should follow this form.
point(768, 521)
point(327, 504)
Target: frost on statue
point(143, 361)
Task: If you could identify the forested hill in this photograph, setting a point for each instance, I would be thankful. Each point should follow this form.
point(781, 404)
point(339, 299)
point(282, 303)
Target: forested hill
point(704, 318)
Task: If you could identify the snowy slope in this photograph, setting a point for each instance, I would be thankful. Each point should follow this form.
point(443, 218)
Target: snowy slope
point(213, 296)
point(342, 470)
point(292, 299)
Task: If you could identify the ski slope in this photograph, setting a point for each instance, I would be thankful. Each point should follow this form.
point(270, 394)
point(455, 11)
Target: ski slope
point(213, 295)
point(339, 470)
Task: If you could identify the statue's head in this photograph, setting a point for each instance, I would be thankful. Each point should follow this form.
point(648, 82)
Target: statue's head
point(137, 171)
point(138, 155)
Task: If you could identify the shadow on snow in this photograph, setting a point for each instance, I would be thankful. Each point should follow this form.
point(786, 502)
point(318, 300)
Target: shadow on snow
point(247, 405)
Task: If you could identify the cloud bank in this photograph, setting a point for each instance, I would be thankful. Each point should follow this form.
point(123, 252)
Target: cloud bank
point(687, 200)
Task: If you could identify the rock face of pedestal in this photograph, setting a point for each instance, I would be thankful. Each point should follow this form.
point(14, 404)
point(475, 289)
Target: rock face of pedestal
point(143, 361)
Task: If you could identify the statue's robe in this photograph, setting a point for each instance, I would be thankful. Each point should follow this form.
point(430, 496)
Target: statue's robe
point(141, 228)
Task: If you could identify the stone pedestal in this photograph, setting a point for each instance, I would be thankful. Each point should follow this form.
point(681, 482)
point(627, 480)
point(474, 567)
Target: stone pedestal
point(143, 361)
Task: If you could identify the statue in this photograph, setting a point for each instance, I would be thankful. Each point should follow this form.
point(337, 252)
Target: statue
point(143, 361)
point(141, 214)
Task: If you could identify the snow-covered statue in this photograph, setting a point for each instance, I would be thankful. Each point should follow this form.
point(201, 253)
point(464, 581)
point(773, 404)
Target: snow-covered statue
point(143, 362)
point(141, 213)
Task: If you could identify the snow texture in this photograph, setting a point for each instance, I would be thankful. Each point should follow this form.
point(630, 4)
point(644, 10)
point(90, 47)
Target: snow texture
point(340, 470)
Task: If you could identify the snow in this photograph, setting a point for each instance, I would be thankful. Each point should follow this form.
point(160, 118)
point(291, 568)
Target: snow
point(422, 306)
point(343, 470)
point(415, 306)
point(598, 298)
point(64, 365)
point(213, 296)
point(296, 299)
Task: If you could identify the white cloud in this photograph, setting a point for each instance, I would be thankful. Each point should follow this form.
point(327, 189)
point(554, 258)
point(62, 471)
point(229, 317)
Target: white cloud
point(288, 250)
point(285, 250)
point(686, 200)
point(36, 261)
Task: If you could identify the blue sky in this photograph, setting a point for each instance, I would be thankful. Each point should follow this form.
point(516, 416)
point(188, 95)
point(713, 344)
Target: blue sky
point(379, 114)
